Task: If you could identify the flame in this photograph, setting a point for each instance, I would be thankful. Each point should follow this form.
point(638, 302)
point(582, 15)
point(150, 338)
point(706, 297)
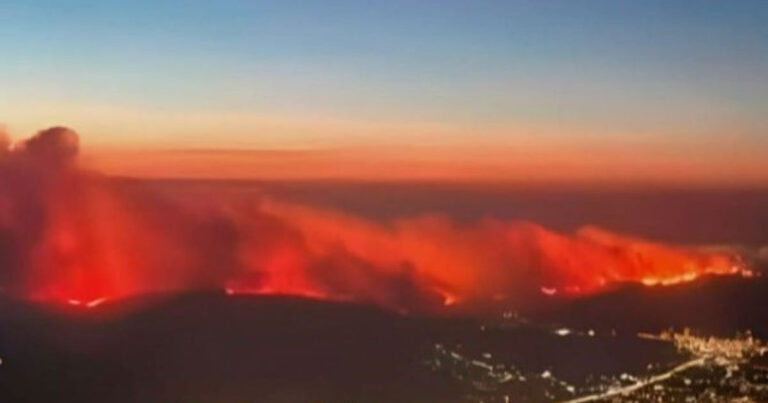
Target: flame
point(86, 304)
point(548, 291)
point(70, 235)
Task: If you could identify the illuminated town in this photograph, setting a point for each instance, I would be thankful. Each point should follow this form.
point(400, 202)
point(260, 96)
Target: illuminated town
point(703, 369)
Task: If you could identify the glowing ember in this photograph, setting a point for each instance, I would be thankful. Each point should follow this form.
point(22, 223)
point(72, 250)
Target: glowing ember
point(270, 291)
point(548, 291)
point(449, 299)
point(86, 304)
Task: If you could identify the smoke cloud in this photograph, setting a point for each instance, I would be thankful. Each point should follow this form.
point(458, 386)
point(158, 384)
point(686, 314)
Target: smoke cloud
point(70, 234)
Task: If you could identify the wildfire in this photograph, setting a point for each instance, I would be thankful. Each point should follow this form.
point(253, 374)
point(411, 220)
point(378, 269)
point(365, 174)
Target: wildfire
point(687, 277)
point(548, 291)
point(267, 290)
point(86, 304)
point(449, 298)
point(75, 236)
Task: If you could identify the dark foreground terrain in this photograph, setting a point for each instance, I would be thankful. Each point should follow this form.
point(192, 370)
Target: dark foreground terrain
point(215, 348)
point(210, 347)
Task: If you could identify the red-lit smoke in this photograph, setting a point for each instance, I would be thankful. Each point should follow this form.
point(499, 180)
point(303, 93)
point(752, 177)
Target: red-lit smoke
point(67, 234)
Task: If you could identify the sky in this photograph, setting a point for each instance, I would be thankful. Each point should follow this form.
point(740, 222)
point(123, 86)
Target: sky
point(477, 90)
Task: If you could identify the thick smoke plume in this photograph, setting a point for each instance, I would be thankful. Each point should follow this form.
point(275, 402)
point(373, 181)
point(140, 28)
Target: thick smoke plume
point(69, 234)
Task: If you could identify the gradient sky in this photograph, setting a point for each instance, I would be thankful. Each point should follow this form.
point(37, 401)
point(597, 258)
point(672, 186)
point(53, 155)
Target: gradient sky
point(642, 87)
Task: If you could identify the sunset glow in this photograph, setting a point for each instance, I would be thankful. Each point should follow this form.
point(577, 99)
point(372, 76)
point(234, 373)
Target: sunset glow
point(498, 91)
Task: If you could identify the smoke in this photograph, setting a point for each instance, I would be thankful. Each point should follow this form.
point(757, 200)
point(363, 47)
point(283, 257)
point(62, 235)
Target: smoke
point(70, 234)
point(67, 233)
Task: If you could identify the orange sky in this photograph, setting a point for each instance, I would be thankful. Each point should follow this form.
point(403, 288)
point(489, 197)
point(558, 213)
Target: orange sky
point(146, 143)
point(472, 164)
